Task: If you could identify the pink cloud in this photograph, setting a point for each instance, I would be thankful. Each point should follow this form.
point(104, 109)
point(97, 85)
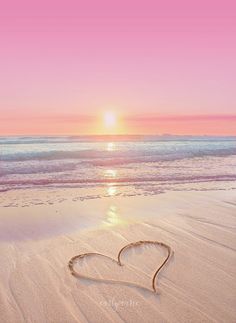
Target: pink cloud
point(132, 124)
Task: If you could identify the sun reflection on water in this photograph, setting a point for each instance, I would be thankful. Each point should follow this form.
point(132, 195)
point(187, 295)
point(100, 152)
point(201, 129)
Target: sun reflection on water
point(111, 190)
point(110, 146)
point(110, 173)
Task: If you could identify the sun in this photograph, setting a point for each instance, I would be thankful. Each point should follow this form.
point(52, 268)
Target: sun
point(110, 119)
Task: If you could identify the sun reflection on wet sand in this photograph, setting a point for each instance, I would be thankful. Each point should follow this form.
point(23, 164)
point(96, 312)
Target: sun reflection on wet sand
point(113, 217)
point(111, 174)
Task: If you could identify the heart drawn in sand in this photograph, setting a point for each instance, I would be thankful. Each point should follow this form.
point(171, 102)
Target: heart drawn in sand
point(75, 259)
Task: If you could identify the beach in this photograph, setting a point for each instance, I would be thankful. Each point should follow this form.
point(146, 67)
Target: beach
point(38, 239)
point(117, 161)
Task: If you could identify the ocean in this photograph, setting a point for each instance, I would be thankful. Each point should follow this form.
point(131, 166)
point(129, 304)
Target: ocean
point(131, 164)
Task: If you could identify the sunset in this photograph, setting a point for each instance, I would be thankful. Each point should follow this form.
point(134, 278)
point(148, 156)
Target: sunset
point(155, 64)
point(117, 161)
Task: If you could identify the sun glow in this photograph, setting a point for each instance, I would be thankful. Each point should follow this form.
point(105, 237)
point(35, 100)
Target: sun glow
point(110, 123)
point(110, 119)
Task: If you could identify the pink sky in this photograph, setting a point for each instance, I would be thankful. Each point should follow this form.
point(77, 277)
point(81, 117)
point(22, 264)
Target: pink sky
point(162, 66)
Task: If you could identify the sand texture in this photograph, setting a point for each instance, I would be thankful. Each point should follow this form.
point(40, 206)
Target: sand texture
point(198, 283)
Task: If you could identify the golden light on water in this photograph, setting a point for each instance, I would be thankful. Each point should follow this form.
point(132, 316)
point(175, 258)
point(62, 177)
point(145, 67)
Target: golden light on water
point(110, 173)
point(110, 146)
point(112, 190)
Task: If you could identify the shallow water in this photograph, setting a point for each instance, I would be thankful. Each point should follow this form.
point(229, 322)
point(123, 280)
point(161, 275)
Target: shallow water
point(148, 163)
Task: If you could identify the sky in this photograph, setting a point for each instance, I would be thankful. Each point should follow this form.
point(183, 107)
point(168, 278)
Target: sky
point(158, 66)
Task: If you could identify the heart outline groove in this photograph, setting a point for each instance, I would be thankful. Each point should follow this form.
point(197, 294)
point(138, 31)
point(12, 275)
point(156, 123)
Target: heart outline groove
point(118, 262)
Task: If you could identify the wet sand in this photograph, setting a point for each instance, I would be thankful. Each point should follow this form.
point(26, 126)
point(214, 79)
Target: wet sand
point(38, 239)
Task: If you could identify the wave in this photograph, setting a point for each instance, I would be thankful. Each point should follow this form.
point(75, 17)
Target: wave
point(58, 163)
point(13, 169)
point(104, 158)
point(15, 140)
point(133, 180)
point(32, 140)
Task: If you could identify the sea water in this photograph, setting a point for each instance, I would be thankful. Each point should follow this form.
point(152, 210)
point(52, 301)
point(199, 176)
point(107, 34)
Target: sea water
point(147, 164)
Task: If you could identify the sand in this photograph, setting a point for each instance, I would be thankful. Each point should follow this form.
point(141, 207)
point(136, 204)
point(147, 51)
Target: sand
point(39, 238)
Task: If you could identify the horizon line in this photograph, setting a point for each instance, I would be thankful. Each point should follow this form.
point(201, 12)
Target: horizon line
point(118, 135)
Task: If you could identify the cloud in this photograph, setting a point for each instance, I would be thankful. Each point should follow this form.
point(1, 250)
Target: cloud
point(179, 118)
point(144, 119)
